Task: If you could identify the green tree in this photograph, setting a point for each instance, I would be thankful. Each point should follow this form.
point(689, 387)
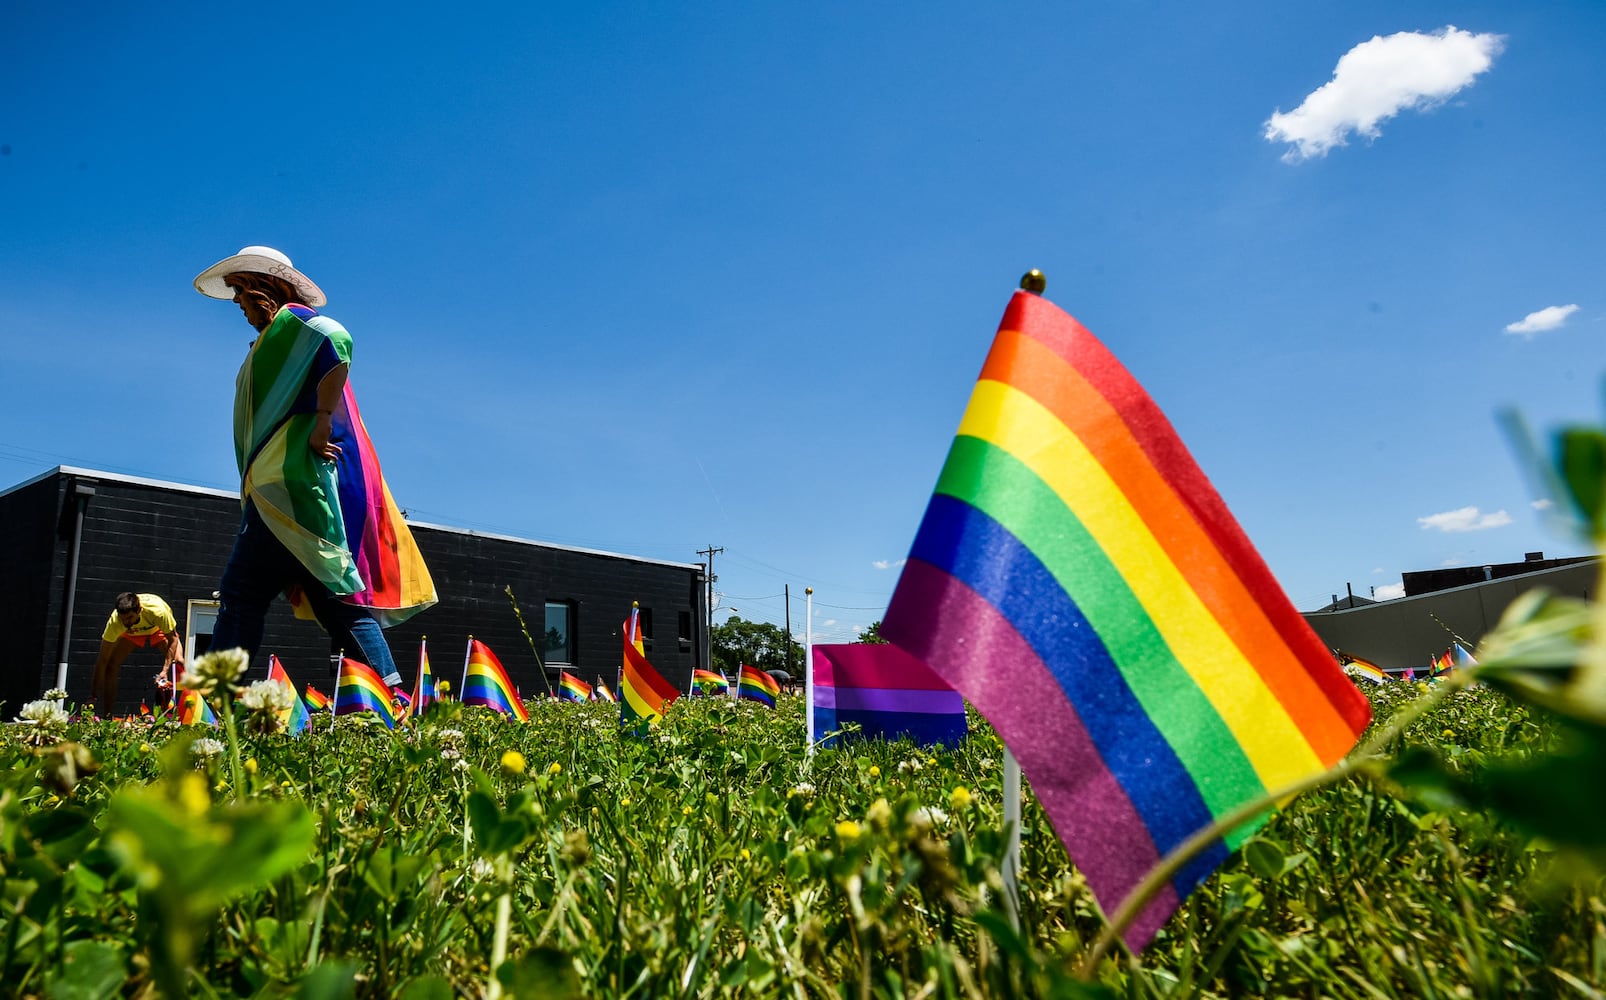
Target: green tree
point(757, 644)
point(872, 635)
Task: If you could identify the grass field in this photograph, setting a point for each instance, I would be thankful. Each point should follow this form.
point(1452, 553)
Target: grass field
point(712, 859)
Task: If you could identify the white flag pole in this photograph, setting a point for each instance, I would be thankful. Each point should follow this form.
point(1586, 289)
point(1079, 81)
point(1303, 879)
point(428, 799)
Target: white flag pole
point(808, 668)
point(1011, 872)
point(468, 651)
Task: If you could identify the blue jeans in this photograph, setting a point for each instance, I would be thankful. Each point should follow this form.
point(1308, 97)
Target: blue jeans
point(259, 570)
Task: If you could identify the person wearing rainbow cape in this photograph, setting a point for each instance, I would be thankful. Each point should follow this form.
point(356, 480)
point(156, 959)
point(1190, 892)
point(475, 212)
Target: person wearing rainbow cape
point(317, 520)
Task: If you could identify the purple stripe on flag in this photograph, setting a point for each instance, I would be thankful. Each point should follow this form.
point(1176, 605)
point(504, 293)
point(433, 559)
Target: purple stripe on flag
point(884, 700)
point(960, 635)
point(872, 665)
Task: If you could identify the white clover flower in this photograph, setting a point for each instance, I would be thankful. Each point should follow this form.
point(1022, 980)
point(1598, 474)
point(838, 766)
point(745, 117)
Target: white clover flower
point(450, 753)
point(449, 735)
point(206, 748)
point(46, 714)
point(926, 817)
point(461, 765)
point(803, 788)
point(220, 668)
point(56, 694)
point(267, 696)
point(482, 869)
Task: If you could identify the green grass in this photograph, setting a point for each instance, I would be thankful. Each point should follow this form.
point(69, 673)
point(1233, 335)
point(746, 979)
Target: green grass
point(712, 859)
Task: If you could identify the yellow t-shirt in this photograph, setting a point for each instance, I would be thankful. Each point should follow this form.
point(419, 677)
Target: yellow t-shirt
point(155, 623)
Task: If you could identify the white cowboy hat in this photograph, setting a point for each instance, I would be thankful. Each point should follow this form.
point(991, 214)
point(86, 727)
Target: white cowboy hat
point(257, 260)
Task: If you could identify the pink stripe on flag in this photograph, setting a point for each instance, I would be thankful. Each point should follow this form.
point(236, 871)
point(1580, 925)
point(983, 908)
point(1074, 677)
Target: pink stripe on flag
point(962, 636)
point(873, 665)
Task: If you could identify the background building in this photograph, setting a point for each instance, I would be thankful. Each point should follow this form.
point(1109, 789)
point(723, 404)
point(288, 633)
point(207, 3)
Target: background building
point(72, 539)
point(1466, 603)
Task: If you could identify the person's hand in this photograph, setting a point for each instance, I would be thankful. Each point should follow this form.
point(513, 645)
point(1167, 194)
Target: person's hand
point(319, 441)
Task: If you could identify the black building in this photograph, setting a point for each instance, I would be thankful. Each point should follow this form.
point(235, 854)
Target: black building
point(72, 539)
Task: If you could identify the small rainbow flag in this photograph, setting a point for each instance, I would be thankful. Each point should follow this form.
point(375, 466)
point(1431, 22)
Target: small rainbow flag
point(601, 693)
point(424, 693)
point(1078, 580)
point(572, 688)
point(646, 693)
point(360, 689)
point(316, 700)
point(755, 685)
point(889, 693)
point(709, 682)
point(485, 682)
point(295, 718)
point(1355, 666)
point(194, 710)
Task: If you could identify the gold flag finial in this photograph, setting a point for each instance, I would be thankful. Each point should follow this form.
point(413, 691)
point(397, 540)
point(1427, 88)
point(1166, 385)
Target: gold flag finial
point(1034, 281)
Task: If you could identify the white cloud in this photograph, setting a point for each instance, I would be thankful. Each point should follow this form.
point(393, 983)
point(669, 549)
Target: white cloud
point(889, 563)
point(1378, 79)
point(1389, 591)
point(1464, 519)
point(1452, 561)
point(1377, 569)
point(1543, 503)
point(1548, 318)
point(829, 622)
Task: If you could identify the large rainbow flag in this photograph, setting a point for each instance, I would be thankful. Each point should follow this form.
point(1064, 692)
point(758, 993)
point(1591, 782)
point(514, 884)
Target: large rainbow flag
point(337, 518)
point(485, 682)
point(361, 689)
point(887, 692)
point(295, 718)
point(644, 694)
point(1078, 580)
point(755, 685)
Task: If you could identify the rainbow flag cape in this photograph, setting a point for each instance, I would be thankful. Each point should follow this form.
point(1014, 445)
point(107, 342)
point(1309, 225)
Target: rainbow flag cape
point(1080, 582)
point(193, 710)
point(360, 689)
point(315, 699)
point(645, 693)
point(709, 682)
point(295, 718)
point(424, 693)
point(485, 682)
point(601, 693)
point(572, 688)
point(337, 518)
point(889, 693)
point(755, 685)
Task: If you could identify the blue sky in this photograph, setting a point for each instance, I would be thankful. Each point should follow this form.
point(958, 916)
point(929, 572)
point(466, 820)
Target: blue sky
point(650, 277)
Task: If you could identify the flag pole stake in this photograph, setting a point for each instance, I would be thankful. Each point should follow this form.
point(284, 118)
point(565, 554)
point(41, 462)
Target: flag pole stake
point(808, 671)
point(1011, 872)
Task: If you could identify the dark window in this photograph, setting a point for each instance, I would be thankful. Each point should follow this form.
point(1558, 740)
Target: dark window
point(646, 629)
point(559, 632)
point(683, 626)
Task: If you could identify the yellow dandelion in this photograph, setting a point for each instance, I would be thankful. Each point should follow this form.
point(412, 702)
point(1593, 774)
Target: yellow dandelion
point(250, 765)
point(513, 762)
point(746, 854)
point(847, 831)
point(556, 768)
point(959, 798)
point(875, 772)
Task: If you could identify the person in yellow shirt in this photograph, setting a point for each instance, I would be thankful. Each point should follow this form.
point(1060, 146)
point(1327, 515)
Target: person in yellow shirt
point(137, 620)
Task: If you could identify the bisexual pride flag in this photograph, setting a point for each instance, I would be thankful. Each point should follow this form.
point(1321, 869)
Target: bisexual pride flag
point(889, 693)
point(755, 685)
point(485, 682)
point(1080, 582)
point(360, 689)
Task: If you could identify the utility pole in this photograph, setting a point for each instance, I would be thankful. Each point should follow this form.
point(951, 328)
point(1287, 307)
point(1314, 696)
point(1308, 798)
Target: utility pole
point(708, 659)
point(789, 628)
